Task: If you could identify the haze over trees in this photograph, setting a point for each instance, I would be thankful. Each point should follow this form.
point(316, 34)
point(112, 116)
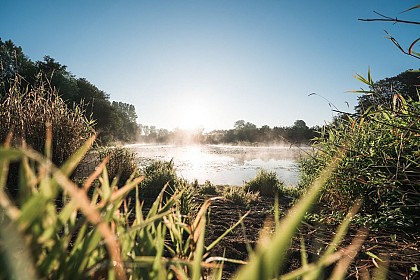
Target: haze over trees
point(114, 121)
point(242, 133)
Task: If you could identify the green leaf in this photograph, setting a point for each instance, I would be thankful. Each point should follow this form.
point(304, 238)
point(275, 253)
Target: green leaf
point(10, 154)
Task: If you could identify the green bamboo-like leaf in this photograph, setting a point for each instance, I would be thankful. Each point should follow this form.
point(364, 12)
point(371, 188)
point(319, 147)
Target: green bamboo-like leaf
point(15, 258)
point(10, 154)
point(159, 243)
point(303, 256)
point(28, 215)
point(372, 255)
point(71, 163)
point(199, 251)
point(105, 186)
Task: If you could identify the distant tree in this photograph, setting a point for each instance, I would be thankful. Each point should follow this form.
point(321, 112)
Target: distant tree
point(300, 125)
point(382, 92)
point(14, 62)
point(128, 109)
point(239, 124)
point(299, 133)
point(114, 121)
point(57, 75)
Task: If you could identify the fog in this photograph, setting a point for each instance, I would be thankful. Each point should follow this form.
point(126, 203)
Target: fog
point(225, 164)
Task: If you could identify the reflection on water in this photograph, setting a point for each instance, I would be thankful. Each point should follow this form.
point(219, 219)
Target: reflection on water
point(230, 165)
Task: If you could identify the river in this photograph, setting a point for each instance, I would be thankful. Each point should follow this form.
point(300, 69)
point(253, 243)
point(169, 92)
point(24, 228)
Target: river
point(223, 164)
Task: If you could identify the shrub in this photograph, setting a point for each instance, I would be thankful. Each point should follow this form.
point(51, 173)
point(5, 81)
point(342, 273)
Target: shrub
point(208, 188)
point(240, 196)
point(158, 174)
point(122, 163)
point(265, 182)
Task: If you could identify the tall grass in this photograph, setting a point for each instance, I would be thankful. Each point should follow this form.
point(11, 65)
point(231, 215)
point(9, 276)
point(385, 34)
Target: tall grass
point(266, 183)
point(29, 113)
point(94, 234)
point(381, 165)
point(98, 236)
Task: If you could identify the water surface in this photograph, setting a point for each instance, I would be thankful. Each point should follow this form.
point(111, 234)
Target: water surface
point(223, 164)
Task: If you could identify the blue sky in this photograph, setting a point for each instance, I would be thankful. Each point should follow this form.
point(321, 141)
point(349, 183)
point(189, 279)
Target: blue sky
point(210, 63)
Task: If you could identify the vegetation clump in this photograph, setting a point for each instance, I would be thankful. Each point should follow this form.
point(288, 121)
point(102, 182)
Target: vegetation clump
point(116, 121)
point(381, 163)
point(208, 188)
point(29, 113)
point(265, 182)
point(121, 164)
point(158, 175)
point(240, 196)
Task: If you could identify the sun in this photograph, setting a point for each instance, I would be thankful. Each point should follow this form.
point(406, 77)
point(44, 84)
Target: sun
point(193, 117)
point(193, 113)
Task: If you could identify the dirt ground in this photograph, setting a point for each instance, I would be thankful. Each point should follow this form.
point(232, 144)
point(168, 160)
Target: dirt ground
point(403, 252)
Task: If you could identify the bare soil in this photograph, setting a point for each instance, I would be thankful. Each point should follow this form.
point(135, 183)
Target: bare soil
point(403, 253)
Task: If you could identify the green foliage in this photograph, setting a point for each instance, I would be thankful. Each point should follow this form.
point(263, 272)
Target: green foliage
point(114, 122)
point(97, 236)
point(381, 164)
point(381, 93)
point(158, 174)
point(240, 196)
point(122, 163)
point(93, 236)
point(208, 188)
point(265, 182)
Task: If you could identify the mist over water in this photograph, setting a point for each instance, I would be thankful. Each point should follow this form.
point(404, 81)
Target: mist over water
point(224, 164)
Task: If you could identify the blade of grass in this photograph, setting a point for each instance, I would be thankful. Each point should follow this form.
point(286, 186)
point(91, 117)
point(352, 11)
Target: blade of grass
point(229, 230)
point(90, 212)
point(341, 232)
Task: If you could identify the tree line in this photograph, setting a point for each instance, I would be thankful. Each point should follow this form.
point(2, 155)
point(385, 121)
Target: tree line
point(242, 133)
point(115, 121)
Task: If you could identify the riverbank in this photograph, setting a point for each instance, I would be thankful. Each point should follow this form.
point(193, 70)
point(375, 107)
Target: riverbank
point(400, 248)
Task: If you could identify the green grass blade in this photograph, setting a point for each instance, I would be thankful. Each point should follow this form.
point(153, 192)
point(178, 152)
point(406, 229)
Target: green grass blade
point(199, 251)
point(215, 242)
point(15, 257)
point(71, 163)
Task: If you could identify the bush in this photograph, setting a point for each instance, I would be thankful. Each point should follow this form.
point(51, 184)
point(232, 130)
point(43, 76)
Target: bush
point(208, 188)
point(158, 174)
point(122, 163)
point(265, 182)
point(240, 196)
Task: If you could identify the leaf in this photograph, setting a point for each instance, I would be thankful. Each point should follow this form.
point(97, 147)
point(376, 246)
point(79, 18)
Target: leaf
point(372, 255)
point(410, 49)
point(7, 154)
point(71, 163)
point(412, 8)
